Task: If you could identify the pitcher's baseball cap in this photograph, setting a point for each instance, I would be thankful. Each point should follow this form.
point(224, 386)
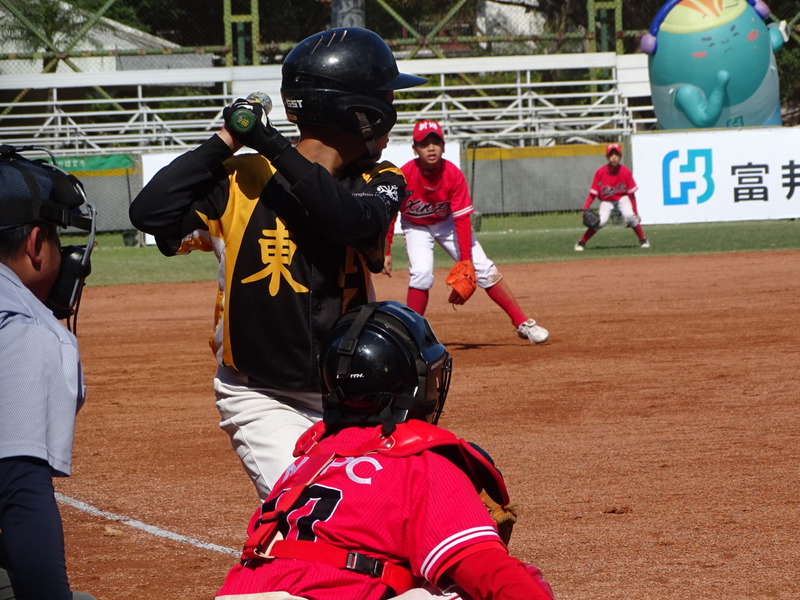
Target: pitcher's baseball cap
point(424, 128)
point(613, 148)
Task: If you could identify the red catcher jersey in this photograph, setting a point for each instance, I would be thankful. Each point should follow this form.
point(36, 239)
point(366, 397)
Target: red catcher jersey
point(420, 511)
point(611, 186)
point(430, 200)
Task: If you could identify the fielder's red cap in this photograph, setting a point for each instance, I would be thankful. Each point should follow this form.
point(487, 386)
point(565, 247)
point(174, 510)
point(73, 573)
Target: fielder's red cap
point(613, 148)
point(424, 128)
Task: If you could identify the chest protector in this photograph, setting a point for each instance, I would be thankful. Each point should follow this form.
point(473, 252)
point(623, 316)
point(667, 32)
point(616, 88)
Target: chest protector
point(414, 437)
point(408, 439)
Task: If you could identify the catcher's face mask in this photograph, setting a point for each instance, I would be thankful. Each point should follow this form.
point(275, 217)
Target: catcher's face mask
point(35, 191)
point(382, 363)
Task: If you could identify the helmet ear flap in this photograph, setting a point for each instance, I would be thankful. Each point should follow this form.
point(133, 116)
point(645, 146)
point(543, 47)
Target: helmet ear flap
point(340, 110)
point(380, 115)
point(333, 108)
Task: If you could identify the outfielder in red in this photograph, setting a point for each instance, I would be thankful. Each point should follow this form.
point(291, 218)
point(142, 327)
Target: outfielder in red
point(380, 500)
point(613, 185)
point(437, 208)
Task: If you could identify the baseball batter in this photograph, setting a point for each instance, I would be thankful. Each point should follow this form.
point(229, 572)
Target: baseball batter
point(297, 231)
point(613, 185)
point(437, 209)
point(380, 500)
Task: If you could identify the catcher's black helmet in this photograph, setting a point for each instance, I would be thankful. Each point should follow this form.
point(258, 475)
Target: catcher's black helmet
point(341, 78)
point(382, 363)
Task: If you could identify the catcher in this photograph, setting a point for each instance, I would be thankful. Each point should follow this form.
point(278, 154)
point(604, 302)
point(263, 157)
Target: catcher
point(437, 208)
point(614, 186)
point(380, 501)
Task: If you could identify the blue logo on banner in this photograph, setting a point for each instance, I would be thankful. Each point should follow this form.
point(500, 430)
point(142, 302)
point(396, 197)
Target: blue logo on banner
point(687, 178)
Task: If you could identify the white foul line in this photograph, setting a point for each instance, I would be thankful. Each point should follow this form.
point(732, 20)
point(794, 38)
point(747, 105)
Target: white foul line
point(152, 529)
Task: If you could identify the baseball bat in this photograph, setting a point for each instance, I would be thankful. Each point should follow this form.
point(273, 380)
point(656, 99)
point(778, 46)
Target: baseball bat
point(242, 120)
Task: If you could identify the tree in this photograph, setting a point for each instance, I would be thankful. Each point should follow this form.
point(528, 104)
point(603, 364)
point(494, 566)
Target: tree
point(42, 26)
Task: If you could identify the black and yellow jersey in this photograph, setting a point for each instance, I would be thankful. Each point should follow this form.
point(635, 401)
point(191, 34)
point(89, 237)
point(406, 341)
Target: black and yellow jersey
point(292, 258)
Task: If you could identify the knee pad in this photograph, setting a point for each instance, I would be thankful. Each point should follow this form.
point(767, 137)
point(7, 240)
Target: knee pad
point(634, 221)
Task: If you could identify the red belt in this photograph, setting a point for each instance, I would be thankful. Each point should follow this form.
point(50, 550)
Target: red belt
point(395, 576)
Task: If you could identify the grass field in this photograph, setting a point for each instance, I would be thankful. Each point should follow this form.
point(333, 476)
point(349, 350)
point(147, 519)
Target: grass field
point(506, 239)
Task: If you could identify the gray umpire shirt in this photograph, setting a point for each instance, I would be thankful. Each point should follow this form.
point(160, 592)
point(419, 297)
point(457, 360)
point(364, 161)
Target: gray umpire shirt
point(42, 379)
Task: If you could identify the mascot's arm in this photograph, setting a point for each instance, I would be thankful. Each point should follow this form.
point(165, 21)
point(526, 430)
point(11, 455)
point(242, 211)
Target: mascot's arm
point(703, 112)
point(778, 35)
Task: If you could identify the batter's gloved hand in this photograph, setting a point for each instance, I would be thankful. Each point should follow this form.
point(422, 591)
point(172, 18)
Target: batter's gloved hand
point(504, 516)
point(254, 130)
point(591, 219)
point(462, 282)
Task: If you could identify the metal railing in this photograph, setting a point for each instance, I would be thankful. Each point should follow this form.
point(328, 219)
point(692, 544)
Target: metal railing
point(503, 101)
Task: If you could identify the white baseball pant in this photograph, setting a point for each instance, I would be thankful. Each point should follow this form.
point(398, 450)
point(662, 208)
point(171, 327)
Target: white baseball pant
point(263, 424)
point(625, 209)
point(419, 245)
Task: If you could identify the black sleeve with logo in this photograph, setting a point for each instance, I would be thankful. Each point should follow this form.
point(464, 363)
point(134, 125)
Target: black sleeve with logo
point(165, 207)
point(295, 260)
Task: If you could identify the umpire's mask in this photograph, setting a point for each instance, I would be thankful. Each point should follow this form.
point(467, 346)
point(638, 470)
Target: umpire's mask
point(37, 191)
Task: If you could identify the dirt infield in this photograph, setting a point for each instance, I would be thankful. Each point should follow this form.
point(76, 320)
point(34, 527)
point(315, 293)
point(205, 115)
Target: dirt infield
point(653, 444)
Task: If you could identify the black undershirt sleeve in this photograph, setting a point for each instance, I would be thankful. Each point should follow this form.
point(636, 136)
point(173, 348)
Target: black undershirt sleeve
point(162, 206)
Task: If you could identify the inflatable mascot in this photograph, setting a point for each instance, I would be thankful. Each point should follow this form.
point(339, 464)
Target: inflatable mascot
point(712, 64)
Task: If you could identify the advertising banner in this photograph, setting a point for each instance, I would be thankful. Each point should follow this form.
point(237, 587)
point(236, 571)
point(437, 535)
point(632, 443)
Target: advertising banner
point(717, 175)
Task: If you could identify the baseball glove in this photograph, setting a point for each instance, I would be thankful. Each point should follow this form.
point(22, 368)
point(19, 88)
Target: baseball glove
point(504, 516)
point(462, 282)
point(591, 219)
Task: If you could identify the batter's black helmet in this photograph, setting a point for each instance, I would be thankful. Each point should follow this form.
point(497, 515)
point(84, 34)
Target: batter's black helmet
point(382, 363)
point(341, 78)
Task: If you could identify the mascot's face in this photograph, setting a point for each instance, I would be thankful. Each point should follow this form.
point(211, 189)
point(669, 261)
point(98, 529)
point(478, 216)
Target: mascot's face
point(698, 38)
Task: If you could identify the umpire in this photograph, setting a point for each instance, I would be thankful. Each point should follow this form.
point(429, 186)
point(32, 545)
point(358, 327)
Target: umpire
point(43, 386)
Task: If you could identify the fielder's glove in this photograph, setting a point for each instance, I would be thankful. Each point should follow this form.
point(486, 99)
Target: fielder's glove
point(591, 219)
point(258, 133)
point(504, 516)
point(462, 282)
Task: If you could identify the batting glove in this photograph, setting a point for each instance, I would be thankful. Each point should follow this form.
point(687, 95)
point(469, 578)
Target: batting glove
point(249, 125)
